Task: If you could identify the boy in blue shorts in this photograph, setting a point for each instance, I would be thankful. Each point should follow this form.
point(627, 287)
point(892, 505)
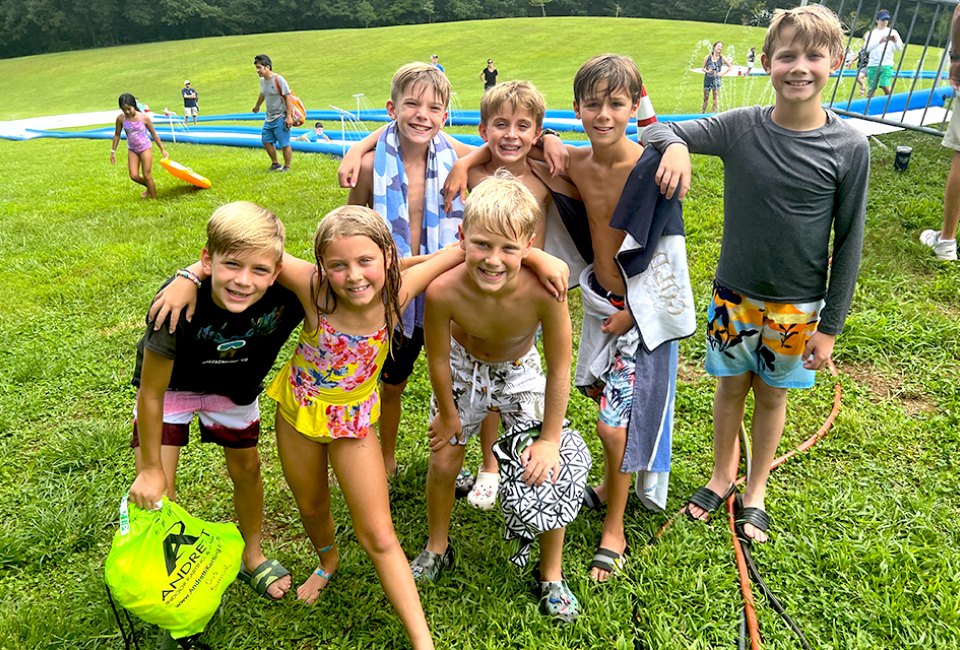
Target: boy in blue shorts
point(213, 366)
point(275, 91)
point(793, 174)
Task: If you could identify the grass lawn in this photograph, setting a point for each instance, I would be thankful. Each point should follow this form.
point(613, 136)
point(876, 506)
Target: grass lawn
point(865, 525)
point(342, 63)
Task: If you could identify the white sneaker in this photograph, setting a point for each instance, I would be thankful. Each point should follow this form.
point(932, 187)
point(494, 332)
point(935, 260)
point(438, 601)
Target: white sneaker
point(942, 250)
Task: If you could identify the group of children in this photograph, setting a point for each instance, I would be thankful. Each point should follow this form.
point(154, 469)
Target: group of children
point(612, 211)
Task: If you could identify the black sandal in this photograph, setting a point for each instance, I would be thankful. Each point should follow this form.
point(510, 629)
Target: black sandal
point(591, 500)
point(708, 500)
point(756, 517)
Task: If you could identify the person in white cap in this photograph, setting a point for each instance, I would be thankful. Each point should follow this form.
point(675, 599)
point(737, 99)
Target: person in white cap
point(190, 104)
point(435, 62)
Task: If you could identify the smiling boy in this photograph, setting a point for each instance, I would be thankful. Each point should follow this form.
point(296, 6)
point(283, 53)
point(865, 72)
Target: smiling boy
point(401, 179)
point(213, 366)
point(481, 326)
point(794, 174)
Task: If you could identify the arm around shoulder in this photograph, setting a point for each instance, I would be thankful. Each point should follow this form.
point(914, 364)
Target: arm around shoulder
point(361, 190)
point(417, 277)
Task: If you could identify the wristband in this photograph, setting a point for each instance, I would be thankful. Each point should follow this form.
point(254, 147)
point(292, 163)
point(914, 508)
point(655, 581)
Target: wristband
point(113, 151)
point(189, 275)
point(954, 57)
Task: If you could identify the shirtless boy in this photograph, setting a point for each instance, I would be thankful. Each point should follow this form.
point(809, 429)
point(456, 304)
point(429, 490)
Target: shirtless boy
point(485, 315)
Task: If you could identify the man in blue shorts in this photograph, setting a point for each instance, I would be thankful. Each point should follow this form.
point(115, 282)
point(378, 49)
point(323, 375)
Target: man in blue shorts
point(275, 91)
point(190, 107)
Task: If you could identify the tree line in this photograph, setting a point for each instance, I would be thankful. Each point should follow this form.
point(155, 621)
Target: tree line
point(39, 26)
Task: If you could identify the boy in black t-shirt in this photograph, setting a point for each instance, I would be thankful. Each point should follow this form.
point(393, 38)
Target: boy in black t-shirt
point(214, 366)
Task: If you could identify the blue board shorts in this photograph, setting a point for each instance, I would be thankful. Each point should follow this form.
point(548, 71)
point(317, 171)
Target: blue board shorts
point(276, 133)
point(751, 335)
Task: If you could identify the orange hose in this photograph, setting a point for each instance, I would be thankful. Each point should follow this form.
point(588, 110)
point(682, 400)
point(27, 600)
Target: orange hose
point(748, 603)
point(749, 608)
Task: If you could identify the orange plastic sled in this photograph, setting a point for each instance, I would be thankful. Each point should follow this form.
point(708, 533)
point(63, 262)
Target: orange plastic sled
point(185, 173)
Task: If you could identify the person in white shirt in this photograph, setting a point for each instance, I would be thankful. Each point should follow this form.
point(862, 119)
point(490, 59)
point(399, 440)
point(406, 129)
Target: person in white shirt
point(881, 43)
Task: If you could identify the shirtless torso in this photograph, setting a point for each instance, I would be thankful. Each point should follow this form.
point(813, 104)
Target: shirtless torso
point(495, 327)
point(600, 176)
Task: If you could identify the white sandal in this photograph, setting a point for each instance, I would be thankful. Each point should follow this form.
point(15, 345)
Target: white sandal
point(483, 496)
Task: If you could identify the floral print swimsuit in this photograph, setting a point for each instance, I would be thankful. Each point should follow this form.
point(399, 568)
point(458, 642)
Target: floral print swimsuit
point(329, 389)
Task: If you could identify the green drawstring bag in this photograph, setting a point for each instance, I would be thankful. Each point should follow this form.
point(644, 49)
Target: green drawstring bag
point(170, 568)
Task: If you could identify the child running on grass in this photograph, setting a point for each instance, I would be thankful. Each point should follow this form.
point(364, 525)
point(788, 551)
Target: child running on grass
point(481, 326)
point(136, 126)
point(213, 366)
point(793, 174)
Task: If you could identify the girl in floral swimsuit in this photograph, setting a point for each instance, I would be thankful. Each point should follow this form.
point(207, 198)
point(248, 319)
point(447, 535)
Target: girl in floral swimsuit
point(328, 395)
point(136, 125)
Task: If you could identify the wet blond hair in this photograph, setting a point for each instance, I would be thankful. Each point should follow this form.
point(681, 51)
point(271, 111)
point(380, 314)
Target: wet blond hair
point(242, 227)
point(813, 25)
point(426, 75)
point(503, 205)
point(358, 221)
point(620, 73)
point(518, 95)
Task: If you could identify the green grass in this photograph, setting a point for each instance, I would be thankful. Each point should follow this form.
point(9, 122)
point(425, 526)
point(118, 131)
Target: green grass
point(329, 67)
point(866, 525)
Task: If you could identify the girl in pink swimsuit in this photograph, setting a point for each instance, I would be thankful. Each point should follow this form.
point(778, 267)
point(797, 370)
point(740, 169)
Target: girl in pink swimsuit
point(136, 125)
point(328, 395)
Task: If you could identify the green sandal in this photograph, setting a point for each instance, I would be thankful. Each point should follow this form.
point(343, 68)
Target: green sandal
point(263, 576)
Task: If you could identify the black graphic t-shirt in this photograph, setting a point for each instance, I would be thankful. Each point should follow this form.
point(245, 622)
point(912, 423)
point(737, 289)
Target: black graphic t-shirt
point(223, 353)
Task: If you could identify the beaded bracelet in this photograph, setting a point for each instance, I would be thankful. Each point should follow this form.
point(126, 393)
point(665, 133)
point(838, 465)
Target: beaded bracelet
point(189, 275)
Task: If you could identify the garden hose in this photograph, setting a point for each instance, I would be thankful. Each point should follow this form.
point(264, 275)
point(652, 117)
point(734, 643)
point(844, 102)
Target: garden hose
point(749, 608)
point(746, 567)
point(772, 598)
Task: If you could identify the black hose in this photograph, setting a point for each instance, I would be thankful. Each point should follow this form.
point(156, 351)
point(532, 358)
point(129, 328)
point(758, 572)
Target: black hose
point(774, 601)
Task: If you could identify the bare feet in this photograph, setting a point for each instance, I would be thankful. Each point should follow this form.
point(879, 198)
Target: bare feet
point(313, 586)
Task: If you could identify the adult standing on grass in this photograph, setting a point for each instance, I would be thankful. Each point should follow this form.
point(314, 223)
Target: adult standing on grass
point(880, 43)
point(944, 243)
point(190, 102)
point(712, 71)
point(489, 76)
point(435, 62)
point(278, 120)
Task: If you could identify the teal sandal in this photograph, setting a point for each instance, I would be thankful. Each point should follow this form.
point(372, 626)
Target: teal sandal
point(263, 576)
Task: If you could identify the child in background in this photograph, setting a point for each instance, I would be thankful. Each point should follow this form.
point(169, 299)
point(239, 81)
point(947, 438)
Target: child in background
point(315, 136)
point(136, 126)
point(774, 317)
